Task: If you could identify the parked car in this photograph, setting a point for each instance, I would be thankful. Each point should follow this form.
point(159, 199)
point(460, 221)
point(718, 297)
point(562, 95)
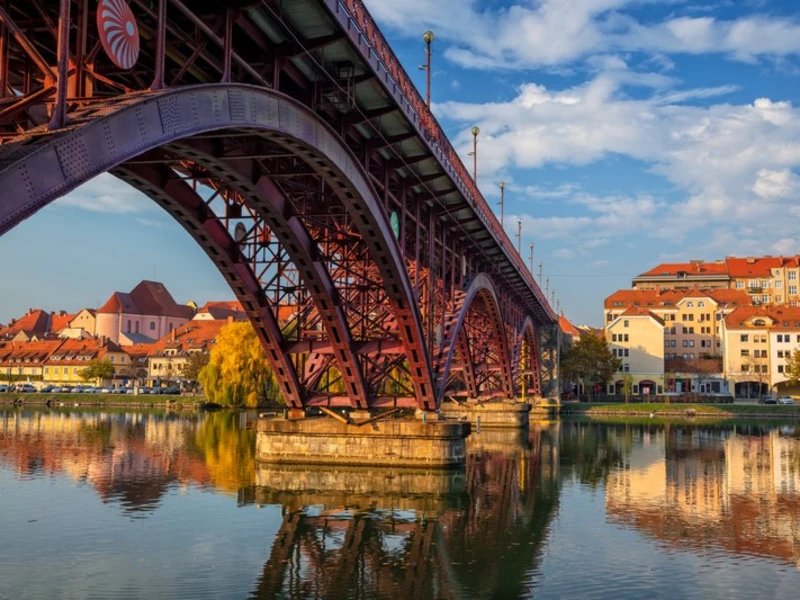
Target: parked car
point(26, 388)
point(3, 388)
point(106, 390)
point(785, 400)
point(767, 400)
point(172, 390)
point(48, 389)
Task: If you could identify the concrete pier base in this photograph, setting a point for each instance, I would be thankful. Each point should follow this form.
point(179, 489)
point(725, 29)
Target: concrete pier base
point(492, 414)
point(398, 443)
point(364, 488)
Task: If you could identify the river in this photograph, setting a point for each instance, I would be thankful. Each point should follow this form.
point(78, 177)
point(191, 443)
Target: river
point(122, 504)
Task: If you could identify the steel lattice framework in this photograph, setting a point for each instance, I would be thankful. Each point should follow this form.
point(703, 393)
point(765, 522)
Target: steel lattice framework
point(291, 145)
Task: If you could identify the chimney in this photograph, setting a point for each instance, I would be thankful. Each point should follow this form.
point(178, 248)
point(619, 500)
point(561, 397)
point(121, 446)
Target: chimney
point(172, 335)
point(103, 341)
point(230, 319)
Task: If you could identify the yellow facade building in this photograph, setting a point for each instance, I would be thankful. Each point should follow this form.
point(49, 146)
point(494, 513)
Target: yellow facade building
point(636, 337)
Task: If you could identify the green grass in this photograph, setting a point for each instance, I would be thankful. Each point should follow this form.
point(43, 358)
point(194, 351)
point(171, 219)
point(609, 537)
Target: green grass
point(715, 410)
point(99, 399)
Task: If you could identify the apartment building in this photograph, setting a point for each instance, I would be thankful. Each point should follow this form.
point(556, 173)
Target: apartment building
point(766, 279)
point(636, 337)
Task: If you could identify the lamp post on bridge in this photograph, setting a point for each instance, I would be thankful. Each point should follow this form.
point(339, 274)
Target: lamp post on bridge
point(502, 202)
point(428, 38)
point(519, 237)
point(474, 154)
point(531, 257)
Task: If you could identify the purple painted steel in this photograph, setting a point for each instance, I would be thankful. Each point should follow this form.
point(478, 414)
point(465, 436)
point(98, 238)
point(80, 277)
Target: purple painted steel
point(65, 161)
point(482, 286)
point(191, 211)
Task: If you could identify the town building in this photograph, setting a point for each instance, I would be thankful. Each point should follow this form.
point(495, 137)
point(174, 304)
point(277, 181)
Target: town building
point(636, 337)
point(146, 314)
point(24, 361)
point(168, 357)
point(220, 311)
point(67, 361)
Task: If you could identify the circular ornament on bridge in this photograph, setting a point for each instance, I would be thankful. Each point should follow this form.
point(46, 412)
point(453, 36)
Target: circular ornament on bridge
point(119, 32)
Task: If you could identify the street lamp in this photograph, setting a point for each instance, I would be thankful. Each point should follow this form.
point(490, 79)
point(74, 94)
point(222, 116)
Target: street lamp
point(502, 201)
point(474, 154)
point(428, 38)
point(519, 237)
point(531, 257)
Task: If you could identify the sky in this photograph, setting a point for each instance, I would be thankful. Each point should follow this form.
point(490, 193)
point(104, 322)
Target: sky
point(628, 132)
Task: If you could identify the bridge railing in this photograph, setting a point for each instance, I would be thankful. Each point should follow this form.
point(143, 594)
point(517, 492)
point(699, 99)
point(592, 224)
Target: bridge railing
point(420, 114)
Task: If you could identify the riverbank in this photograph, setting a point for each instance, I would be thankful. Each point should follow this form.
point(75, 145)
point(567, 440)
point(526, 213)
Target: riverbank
point(725, 411)
point(103, 400)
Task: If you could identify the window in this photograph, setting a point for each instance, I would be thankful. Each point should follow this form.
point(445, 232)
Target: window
point(778, 299)
point(55, 370)
point(780, 368)
point(792, 275)
point(74, 370)
point(47, 370)
point(666, 343)
point(691, 330)
point(137, 326)
point(613, 337)
point(673, 344)
point(129, 326)
point(744, 338)
point(152, 325)
point(745, 352)
point(764, 298)
point(111, 358)
point(626, 337)
point(626, 367)
point(793, 290)
point(701, 304)
point(739, 285)
point(778, 285)
point(745, 368)
point(685, 343)
point(635, 389)
point(625, 323)
point(690, 305)
point(780, 338)
point(780, 353)
point(756, 353)
point(609, 317)
point(691, 343)
point(684, 317)
point(765, 284)
point(627, 352)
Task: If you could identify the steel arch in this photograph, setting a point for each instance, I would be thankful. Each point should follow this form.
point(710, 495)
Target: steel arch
point(188, 208)
point(527, 332)
point(481, 285)
point(100, 141)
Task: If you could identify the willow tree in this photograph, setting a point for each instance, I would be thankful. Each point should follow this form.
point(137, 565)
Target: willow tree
point(237, 373)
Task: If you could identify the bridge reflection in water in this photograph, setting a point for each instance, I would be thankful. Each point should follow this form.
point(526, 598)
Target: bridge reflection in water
point(364, 533)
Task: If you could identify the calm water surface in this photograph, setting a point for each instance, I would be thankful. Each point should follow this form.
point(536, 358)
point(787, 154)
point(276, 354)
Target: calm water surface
point(148, 505)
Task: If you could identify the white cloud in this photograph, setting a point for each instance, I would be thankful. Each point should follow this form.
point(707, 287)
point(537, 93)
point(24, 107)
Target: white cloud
point(555, 32)
point(107, 194)
point(775, 184)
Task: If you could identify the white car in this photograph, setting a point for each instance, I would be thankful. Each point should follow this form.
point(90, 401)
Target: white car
point(785, 400)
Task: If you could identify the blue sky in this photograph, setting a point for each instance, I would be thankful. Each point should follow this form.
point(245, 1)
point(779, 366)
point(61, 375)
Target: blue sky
point(628, 131)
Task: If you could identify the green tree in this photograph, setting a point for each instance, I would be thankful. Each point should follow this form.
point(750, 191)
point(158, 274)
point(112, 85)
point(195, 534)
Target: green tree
point(237, 373)
point(98, 370)
point(589, 362)
point(793, 367)
point(627, 386)
point(190, 370)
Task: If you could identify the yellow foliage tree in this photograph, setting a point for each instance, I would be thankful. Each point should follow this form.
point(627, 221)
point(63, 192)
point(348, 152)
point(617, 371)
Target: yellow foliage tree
point(237, 373)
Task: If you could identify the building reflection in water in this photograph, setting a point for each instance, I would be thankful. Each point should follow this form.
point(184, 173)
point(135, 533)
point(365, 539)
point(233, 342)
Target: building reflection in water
point(736, 489)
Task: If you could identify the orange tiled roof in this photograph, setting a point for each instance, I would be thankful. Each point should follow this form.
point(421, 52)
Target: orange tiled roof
point(666, 298)
point(35, 321)
point(194, 335)
point(757, 267)
point(19, 353)
point(638, 311)
point(783, 317)
point(74, 352)
point(566, 326)
point(59, 321)
point(147, 298)
point(698, 267)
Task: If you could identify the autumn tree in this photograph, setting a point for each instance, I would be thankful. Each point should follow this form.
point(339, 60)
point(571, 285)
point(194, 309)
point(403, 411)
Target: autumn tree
point(237, 373)
point(627, 386)
point(98, 370)
point(589, 362)
point(793, 367)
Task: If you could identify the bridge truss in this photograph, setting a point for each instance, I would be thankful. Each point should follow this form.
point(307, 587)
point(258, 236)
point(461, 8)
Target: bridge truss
point(288, 141)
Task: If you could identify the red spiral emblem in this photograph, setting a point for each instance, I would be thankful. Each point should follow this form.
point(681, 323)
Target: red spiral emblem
point(119, 32)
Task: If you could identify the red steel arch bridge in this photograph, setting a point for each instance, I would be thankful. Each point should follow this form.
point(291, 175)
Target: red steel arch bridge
point(287, 140)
